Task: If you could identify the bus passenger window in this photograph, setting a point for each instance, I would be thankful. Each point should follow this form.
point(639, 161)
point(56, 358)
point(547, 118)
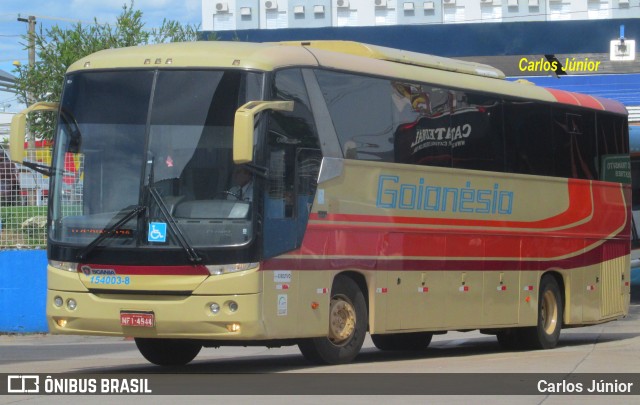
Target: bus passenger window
point(361, 111)
point(574, 144)
point(527, 128)
point(421, 118)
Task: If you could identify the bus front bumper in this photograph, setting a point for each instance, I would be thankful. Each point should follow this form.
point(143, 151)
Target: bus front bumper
point(85, 313)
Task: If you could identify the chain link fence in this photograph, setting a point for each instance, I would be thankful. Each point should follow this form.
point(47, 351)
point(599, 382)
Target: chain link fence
point(23, 201)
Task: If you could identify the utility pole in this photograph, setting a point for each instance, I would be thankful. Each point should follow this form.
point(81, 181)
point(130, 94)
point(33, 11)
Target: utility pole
point(31, 37)
point(31, 136)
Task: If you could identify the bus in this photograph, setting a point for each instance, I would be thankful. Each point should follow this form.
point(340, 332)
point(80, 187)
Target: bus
point(393, 193)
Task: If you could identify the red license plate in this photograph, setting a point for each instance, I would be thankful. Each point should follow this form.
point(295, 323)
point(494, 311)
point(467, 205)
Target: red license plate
point(137, 319)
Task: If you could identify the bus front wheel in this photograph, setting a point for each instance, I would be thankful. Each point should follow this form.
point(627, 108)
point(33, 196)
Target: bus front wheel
point(168, 352)
point(347, 326)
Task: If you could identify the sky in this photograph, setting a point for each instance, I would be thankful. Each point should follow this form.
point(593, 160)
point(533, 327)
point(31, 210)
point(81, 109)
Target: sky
point(65, 13)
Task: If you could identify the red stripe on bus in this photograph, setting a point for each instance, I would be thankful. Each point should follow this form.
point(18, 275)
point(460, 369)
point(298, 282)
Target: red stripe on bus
point(588, 101)
point(584, 100)
point(612, 105)
point(564, 97)
point(150, 270)
point(598, 255)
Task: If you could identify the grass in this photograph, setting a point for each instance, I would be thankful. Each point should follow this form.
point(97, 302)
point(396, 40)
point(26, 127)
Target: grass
point(12, 232)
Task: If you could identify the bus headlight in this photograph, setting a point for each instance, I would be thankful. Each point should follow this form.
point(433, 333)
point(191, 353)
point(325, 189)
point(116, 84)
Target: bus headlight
point(218, 269)
point(215, 308)
point(67, 266)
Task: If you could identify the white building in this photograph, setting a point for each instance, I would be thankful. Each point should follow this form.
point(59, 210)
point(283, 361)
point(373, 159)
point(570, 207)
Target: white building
point(225, 15)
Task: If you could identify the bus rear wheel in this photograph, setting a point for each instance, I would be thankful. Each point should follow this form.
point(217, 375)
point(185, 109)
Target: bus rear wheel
point(168, 352)
point(402, 341)
point(546, 334)
point(348, 321)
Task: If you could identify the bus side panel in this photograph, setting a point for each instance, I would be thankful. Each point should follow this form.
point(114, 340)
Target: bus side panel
point(295, 302)
point(439, 242)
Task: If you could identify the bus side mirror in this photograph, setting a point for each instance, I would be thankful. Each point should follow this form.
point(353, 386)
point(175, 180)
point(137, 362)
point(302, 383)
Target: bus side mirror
point(19, 129)
point(244, 125)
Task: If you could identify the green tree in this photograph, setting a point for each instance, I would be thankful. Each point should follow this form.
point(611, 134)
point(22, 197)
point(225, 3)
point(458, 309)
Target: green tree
point(57, 48)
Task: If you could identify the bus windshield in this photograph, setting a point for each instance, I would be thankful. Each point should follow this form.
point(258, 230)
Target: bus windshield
point(166, 147)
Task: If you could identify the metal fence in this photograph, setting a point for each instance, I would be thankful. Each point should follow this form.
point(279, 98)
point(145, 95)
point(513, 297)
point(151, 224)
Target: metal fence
point(23, 202)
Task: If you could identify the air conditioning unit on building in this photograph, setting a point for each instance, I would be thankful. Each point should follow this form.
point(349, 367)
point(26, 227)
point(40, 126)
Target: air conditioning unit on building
point(533, 3)
point(428, 5)
point(271, 5)
point(512, 3)
point(222, 7)
point(342, 3)
point(319, 9)
point(298, 9)
point(449, 2)
point(381, 3)
point(623, 3)
point(245, 11)
point(408, 6)
point(486, 1)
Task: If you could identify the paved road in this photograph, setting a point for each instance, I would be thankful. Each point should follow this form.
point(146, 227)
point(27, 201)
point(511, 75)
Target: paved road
point(609, 348)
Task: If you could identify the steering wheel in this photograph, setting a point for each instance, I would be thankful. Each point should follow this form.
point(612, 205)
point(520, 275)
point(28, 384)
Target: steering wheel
point(231, 193)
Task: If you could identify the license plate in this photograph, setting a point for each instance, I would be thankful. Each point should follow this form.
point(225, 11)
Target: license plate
point(137, 319)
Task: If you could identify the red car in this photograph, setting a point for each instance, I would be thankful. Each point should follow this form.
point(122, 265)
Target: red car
point(9, 185)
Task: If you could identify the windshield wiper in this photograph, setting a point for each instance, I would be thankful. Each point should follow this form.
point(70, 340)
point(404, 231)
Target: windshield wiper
point(173, 225)
point(137, 210)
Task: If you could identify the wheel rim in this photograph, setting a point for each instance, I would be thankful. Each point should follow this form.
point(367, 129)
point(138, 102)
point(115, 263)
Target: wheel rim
point(549, 312)
point(342, 320)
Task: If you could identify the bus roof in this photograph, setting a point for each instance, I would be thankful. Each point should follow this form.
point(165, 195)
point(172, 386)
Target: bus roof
point(341, 55)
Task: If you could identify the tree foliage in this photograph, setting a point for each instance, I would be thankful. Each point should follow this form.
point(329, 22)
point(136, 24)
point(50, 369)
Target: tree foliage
point(57, 48)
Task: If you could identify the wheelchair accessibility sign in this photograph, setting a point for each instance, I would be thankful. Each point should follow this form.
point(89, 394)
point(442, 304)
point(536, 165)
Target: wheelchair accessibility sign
point(157, 232)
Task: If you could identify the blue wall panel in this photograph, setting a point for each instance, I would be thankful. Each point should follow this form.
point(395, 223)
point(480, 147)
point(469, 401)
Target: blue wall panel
point(23, 291)
point(481, 39)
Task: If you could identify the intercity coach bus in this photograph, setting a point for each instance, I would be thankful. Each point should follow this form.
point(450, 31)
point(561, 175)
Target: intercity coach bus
point(393, 193)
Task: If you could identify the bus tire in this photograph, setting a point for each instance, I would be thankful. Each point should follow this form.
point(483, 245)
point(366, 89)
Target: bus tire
point(402, 341)
point(546, 334)
point(348, 322)
point(168, 352)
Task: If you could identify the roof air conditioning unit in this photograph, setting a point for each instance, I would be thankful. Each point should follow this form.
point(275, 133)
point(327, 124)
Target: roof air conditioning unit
point(408, 6)
point(271, 5)
point(222, 7)
point(342, 3)
point(381, 3)
point(428, 5)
